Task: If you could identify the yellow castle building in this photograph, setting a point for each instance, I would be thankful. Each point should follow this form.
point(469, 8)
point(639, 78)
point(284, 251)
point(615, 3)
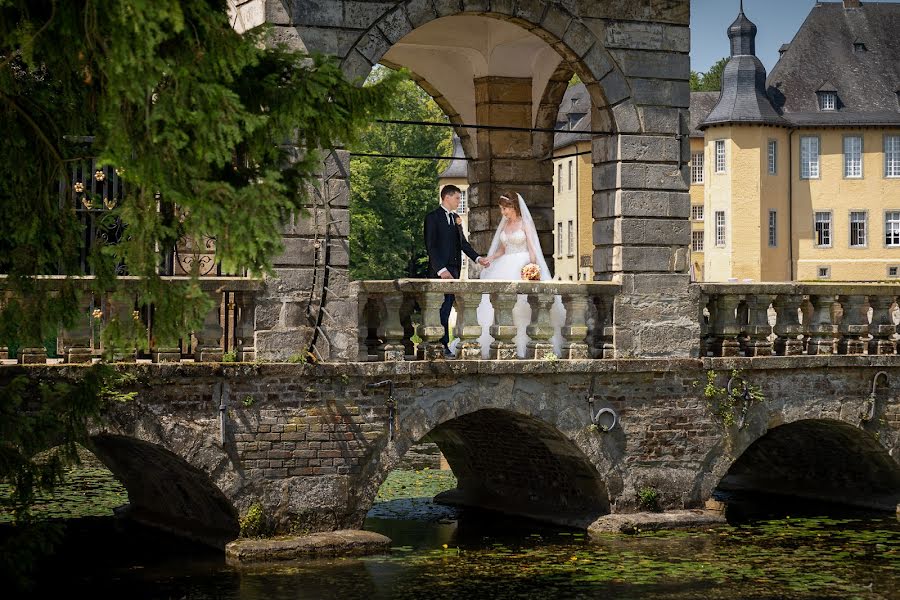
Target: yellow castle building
point(800, 172)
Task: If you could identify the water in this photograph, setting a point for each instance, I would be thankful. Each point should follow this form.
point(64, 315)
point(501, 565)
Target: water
point(447, 553)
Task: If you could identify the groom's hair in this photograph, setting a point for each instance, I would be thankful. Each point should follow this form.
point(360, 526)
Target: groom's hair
point(448, 190)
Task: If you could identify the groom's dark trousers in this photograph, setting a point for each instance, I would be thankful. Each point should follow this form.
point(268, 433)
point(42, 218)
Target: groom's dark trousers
point(445, 243)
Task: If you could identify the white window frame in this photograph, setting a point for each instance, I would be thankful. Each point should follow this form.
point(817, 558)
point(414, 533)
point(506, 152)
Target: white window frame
point(896, 272)
point(826, 240)
point(828, 101)
point(463, 203)
point(892, 156)
point(697, 168)
point(773, 156)
point(720, 156)
point(862, 236)
point(571, 172)
point(571, 239)
point(853, 153)
point(892, 229)
point(559, 179)
point(720, 228)
point(809, 168)
point(697, 241)
point(697, 213)
point(773, 228)
point(821, 275)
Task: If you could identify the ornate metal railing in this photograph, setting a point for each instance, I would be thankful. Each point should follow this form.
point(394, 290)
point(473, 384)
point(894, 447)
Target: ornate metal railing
point(400, 320)
point(787, 319)
point(227, 328)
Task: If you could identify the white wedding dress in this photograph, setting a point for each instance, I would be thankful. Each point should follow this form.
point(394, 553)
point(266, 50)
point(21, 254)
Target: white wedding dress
point(509, 267)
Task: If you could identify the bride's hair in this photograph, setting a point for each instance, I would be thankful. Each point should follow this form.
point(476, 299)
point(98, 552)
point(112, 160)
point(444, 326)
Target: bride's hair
point(510, 200)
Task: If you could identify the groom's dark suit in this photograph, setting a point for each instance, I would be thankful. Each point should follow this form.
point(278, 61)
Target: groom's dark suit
point(445, 243)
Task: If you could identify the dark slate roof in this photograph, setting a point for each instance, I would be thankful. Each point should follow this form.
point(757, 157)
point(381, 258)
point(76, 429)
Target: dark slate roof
point(457, 168)
point(702, 104)
point(575, 114)
point(743, 98)
point(822, 55)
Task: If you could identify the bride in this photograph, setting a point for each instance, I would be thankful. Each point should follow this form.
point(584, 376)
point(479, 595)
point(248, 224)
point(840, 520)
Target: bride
point(515, 245)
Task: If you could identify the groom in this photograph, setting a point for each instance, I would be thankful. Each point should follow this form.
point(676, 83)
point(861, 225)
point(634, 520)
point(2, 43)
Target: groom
point(445, 242)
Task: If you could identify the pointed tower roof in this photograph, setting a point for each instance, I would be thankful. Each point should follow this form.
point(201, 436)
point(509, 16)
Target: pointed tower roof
point(458, 167)
point(743, 98)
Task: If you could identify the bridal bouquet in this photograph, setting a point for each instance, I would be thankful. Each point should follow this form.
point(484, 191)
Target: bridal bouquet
point(531, 272)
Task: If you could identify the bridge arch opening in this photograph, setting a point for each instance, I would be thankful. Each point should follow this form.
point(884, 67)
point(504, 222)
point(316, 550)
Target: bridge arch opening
point(816, 462)
point(521, 466)
point(166, 492)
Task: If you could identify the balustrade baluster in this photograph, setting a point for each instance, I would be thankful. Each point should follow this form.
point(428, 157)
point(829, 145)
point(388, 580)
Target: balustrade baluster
point(540, 330)
point(854, 327)
point(575, 330)
point(75, 343)
point(758, 328)
point(503, 330)
point(725, 328)
point(362, 322)
point(432, 330)
point(822, 329)
point(209, 337)
point(882, 328)
point(243, 334)
point(790, 340)
point(391, 348)
point(467, 325)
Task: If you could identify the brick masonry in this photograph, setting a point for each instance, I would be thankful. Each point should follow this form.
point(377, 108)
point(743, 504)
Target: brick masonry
point(311, 443)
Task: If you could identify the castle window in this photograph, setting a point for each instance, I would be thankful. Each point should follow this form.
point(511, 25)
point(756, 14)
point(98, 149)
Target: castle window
point(823, 229)
point(853, 157)
point(697, 167)
point(559, 177)
point(720, 156)
point(697, 212)
point(773, 228)
point(697, 241)
point(858, 233)
point(892, 228)
point(823, 272)
point(892, 156)
point(720, 228)
point(461, 209)
point(773, 156)
point(809, 157)
point(827, 100)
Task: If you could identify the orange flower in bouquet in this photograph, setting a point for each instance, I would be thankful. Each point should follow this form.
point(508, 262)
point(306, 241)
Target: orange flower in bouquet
point(531, 272)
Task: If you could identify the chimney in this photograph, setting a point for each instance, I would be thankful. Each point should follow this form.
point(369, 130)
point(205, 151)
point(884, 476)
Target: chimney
point(852, 4)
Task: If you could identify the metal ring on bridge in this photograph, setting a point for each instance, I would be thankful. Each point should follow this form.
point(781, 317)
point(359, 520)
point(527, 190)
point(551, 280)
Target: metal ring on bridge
point(606, 411)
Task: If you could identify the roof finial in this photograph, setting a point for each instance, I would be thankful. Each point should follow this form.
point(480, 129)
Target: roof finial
point(742, 7)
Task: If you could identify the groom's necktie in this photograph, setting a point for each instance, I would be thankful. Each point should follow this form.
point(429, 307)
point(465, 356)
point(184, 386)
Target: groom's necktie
point(449, 218)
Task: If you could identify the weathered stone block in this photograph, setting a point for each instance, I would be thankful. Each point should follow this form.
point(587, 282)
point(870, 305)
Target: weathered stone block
point(661, 93)
point(503, 7)
point(267, 315)
point(531, 11)
point(356, 67)
point(278, 12)
point(639, 176)
point(447, 7)
point(362, 15)
point(615, 88)
point(476, 6)
point(644, 148)
point(598, 62)
point(336, 42)
point(579, 38)
point(420, 12)
point(649, 64)
point(288, 37)
point(373, 45)
point(281, 344)
point(631, 203)
point(395, 25)
point(660, 119)
point(556, 21)
point(298, 252)
point(317, 13)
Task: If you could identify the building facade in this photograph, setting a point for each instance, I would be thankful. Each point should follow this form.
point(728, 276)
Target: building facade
point(801, 171)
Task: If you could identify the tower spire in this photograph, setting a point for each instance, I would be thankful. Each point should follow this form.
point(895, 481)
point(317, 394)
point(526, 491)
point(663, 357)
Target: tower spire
point(742, 34)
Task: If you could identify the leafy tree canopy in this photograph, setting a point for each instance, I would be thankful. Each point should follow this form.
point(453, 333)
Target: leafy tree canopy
point(390, 197)
point(711, 81)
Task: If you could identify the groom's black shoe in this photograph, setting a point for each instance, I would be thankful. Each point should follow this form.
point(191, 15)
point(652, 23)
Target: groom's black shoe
point(447, 353)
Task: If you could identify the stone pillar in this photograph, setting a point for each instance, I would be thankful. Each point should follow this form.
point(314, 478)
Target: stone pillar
point(467, 325)
point(432, 330)
point(882, 328)
point(75, 343)
point(503, 330)
point(506, 161)
point(822, 330)
point(758, 328)
point(392, 348)
point(854, 326)
point(540, 330)
point(209, 338)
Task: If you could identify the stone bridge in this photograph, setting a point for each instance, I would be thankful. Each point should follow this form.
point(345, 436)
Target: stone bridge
point(312, 443)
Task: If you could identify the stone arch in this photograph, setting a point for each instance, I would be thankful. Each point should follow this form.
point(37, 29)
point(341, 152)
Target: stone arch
point(167, 492)
point(504, 445)
point(564, 32)
point(817, 459)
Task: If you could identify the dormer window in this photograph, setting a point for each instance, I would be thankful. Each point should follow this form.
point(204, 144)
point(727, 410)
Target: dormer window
point(827, 100)
point(859, 47)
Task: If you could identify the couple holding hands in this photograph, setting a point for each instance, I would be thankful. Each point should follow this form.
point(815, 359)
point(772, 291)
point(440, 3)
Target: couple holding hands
point(514, 246)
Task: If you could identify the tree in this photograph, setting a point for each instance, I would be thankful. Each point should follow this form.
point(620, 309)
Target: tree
point(390, 197)
point(711, 81)
point(199, 122)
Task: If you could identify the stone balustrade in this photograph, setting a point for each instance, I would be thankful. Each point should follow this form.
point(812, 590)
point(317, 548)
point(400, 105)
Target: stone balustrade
point(400, 320)
point(784, 319)
point(226, 330)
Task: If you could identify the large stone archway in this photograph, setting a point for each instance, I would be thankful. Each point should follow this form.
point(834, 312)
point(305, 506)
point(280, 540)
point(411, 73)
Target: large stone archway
point(500, 62)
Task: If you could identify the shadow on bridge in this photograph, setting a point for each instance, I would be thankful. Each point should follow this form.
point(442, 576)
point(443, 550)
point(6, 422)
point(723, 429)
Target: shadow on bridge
point(817, 462)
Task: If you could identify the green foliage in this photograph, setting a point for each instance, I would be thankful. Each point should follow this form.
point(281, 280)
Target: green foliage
point(648, 499)
point(575, 80)
point(248, 401)
point(711, 81)
point(722, 403)
point(390, 197)
point(550, 357)
point(192, 113)
point(230, 356)
point(254, 523)
point(297, 358)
